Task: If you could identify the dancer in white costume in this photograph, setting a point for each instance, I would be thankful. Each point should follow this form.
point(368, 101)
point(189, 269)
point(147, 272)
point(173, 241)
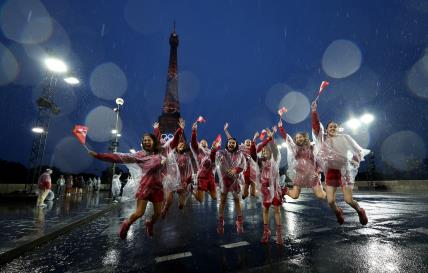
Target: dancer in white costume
point(270, 186)
point(252, 170)
point(230, 163)
point(339, 157)
point(302, 166)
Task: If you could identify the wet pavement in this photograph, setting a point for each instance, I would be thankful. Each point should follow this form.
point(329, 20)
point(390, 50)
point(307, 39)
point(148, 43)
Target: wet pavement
point(23, 223)
point(395, 240)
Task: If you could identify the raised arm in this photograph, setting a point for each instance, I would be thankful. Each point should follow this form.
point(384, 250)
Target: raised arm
point(288, 139)
point(156, 130)
point(253, 151)
point(226, 131)
point(114, 158)
point(214, 149)
point(194, 139)
point(178, 133)
point(272, 144)
point(316, 125)
point(260, 146)
point(282, 130)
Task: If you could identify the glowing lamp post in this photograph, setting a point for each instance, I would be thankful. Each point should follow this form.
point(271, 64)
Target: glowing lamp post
point(56, 65)
point(72, 80)
point(46, 107)
point(116, 134)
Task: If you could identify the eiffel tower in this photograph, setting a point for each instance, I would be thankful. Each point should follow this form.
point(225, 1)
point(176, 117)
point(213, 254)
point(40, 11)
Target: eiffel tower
point(168, 120)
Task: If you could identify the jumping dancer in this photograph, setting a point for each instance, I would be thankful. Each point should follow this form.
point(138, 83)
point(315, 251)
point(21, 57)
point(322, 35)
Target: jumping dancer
point(339, 156)
point(230, 163)
point(302, 167)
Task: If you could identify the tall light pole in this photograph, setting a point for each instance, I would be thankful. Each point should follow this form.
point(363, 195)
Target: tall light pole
point(46, 107)
point(116, 135)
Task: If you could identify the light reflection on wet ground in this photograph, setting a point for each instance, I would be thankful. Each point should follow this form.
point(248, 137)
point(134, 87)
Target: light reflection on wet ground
point(314, 242)
point(23, 222)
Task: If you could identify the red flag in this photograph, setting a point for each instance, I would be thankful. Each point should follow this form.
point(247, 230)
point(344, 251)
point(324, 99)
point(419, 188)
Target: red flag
point(217, 141)
point(323, 86)
point(201, 119)
point(80, 132)
point(262, 134)
point(282, 111)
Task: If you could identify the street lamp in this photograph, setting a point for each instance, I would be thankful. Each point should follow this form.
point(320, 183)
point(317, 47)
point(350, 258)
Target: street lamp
point(367, 118)
point(353, 123)
point(72, 80)
point(115, 132)
point(46, 107)
point(38, 130)
point(56, 65)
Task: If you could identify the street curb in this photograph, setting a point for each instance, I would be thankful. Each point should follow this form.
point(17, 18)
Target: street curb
point(25, 247)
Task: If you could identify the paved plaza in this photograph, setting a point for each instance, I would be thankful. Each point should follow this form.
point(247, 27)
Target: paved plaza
point(395, 239)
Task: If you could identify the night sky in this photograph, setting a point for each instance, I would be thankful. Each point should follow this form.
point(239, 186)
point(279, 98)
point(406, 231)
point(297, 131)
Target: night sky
point(238, 61)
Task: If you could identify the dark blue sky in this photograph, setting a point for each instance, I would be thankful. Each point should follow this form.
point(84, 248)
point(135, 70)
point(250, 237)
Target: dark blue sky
point(237, 61)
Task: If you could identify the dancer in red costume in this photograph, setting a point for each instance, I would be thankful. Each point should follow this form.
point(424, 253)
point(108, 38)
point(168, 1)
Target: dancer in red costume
point(230, 163)
point(152, 166)
point(251, 172)
point(302, 166)
point(183, 159)
point(270, 187)
point(205, 162)
point(339, 157)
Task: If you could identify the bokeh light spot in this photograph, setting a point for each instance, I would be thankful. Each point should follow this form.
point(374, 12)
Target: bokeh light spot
point(8, 66)
point(341, 59)
point(298, 107)
point(403, 150)
point(108, 81)
point(417, 78)
point(100, 122)
point(25, 21)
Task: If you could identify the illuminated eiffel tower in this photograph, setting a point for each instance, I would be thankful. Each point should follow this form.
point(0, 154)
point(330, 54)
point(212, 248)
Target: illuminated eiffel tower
point(168, 120)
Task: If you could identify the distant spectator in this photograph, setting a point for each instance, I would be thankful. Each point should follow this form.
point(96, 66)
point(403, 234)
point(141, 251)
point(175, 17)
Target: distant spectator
point(116, 185)
point(60, 185)
point(69, 185)
point(44, 184)
point(80, 184)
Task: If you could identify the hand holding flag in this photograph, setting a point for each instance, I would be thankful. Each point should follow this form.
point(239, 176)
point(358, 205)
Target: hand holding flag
point(323, 86)
point(217, 141)
point(201, 119)
point(262, 134)
point(80, 132)
point(282, 111)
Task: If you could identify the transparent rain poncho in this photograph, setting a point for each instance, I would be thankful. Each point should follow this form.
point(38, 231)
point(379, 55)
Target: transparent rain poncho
point(225, 161)
point(203, 161)
point(269, 178)
point(146, 168)
point(115, 185)
point(251, 163)
point(171, 180)
point(340, 152)
point(205, 166)
point(131, 186)
point(302, 167)
point(185, 168)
